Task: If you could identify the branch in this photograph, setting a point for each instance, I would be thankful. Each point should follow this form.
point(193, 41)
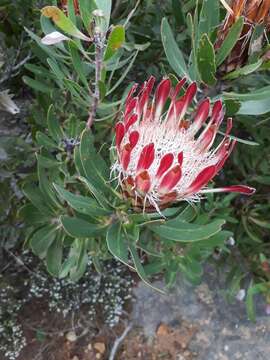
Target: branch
point(118, 342)
point(99, 40)
point(11, 72)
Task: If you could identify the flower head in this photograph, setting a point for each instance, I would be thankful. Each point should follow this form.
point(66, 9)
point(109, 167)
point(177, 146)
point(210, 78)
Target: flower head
point(254, 12)
point(168, 156)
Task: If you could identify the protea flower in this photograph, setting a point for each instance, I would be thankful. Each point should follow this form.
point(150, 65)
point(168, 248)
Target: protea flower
point(254, 12)
point(164, 157)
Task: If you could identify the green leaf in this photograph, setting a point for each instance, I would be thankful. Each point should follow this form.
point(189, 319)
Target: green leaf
point(116, 242)
point(115, 41)
point(64, 23)
point(232, 107)
point(42, 239)
point(91, 160)
point(80, 228)
point(185, 232)
point(82, 204)
point(209, 17)
point(96, 169)
point(44, 140)
point(39, 70)
point(256, 102)
point(79, 94)
point(47, 162)
point(131, 46)
point(77, 63)
point(54, 127)
point(139, 268)
point(124, 74)
point(256, 41)
point(45, 186)
point(82, 259)
point(173, 53)
point(78, 162)
point(37, 85)
point(230, 41)
point(253, 290)
point(102, 90)
point(56, 70)
point(103, 202)
point(106, 7)
point(54, 256)
point(37, 199)
point(206, 61)
point(71, 11)
point(67, 265)
point(257, 107)
point(192, 66)
point(243, 71)
point(263, 224)
point(86, 9)
point(259, 94)
point(31, 215)
point(171, 270)
point(178, 12)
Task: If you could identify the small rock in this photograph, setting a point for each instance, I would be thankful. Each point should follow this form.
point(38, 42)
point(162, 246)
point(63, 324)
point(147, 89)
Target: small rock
point(180, 357)
point(98, 356)
point(267, 309)
point(183, 344)
point(162, 330)
point(204, 294)
point(71, 336)
point(238, 355)
point(100, 347)
point(240, 296)
point(245, 332)
point(75, 358)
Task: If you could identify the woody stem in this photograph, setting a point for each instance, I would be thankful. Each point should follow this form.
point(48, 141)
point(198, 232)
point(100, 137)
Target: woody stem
point(99, 47)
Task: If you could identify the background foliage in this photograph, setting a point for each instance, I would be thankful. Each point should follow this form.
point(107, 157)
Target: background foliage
point(70, 211)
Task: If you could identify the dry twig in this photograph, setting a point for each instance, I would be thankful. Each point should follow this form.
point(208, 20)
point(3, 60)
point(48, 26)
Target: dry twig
point(118, 342)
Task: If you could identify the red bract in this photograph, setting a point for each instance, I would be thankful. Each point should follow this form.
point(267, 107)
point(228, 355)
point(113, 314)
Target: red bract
point(255, 12)
point(64, 5)
point(166, 154)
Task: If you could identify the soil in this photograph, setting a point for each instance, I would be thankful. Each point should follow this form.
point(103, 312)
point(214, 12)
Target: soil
point(185, 324)
point(51, 337)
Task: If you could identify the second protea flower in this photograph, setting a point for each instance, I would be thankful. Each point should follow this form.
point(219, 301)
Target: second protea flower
point(254, 12)
point(168, 156)
point(64, 5)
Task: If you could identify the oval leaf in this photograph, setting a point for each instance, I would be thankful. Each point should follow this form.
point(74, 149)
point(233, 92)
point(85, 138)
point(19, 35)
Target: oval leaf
point(173, 53)
point(80, 228)
point(64, 23)
point(115, 41)
point(206, 60)
point(185, 232)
